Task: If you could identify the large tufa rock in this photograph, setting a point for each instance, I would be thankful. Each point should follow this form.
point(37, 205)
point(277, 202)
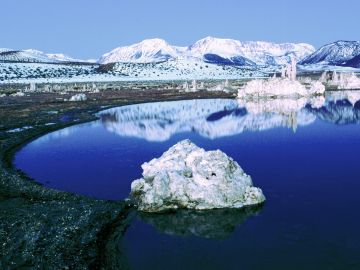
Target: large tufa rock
point(279, 87)
point(187, 176)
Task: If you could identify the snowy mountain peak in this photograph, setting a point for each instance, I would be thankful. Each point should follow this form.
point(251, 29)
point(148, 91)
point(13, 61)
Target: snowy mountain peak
point(153, 42)
point(219, 46)
point(258, 52)
point(211, 49)
point(336, 53)
point(148, 50)
point(4, 50)
point(61, 57)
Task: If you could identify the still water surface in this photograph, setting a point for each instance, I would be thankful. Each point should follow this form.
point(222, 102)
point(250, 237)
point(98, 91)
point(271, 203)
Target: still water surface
point(304, 154)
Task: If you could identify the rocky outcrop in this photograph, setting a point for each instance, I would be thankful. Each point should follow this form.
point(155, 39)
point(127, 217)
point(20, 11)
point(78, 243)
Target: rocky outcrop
point(186, 176)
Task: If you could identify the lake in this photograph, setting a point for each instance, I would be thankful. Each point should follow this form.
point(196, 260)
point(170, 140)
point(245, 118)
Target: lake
point(303, 154)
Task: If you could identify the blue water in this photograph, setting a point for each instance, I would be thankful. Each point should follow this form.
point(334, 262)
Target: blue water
point(305, 159)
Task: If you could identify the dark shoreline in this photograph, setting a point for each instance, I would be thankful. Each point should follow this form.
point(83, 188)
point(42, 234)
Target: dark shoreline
point(66, 230)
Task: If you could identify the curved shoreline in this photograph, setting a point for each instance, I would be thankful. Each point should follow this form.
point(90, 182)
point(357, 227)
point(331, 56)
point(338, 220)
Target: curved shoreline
point(26, 205)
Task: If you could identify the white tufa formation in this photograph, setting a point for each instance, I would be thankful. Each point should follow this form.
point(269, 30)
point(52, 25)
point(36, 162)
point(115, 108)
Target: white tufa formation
point(280, 87)
point(32, 87)
point(194, 86)
point(289, 71)
point(316, 88)
point(186, 176)
point(18, 94)
point(342, 80)
point(78, 97)
point(186, 87)
point(286, 86)
point(226, 83)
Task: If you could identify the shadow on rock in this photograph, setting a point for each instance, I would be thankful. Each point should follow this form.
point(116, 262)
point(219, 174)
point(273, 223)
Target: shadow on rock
point(212, 224)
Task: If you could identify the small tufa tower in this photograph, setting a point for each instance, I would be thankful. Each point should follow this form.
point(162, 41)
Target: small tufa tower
point(289, 71)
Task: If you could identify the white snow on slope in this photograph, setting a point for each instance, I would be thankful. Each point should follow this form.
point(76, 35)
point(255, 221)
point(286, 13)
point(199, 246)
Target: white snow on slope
point(149, 50)
point(185, 69)
point(31, 55)
point(335, 53)
point(169, 70)
point(4, 50)
point(260, 52)
point(62, 57)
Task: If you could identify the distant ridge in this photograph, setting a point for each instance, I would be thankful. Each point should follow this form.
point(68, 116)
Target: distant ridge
point(211, 49)
point(339, 53)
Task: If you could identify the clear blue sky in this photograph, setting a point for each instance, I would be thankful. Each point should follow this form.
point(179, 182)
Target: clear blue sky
point(89, 28)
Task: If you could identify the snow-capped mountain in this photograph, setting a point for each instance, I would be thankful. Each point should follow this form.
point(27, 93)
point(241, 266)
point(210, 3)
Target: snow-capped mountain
point(24, 56)
point(212, 50)
point(339, 53)
point(149, 50)
point(33, 56)
point(258, 52)
point(4, 50)
point(60, 57)
point(353, 62)
point(154, 59)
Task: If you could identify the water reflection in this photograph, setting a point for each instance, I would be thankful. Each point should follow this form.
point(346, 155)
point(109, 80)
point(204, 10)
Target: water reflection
point(338, 111)
point(211, 224)
point(302, 181)
point(215, 118)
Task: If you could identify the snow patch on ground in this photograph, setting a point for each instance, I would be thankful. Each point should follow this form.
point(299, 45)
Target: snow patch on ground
point(19, 129)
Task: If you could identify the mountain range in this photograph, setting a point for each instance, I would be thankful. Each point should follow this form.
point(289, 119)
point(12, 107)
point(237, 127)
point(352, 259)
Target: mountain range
point(155, 59)
point(209, 50)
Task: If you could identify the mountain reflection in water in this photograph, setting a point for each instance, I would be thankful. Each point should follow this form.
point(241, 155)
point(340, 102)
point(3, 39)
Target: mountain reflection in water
point(215, 118)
